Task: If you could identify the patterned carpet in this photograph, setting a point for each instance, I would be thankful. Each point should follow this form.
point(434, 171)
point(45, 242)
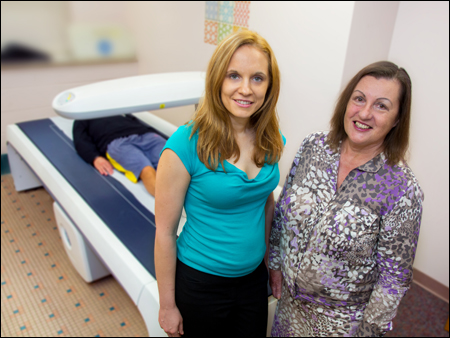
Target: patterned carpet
point(41, 293)
point(420, 314)
point(43, 296)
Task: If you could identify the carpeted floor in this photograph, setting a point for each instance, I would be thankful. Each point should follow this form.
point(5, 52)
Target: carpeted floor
point(42, 294)
point(420, 314)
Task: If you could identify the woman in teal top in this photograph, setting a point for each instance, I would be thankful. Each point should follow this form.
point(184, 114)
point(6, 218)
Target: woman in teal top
point(223, 167)
point(223, 234)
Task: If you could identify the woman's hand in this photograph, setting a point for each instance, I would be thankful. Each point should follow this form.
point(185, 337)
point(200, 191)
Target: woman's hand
point(171, 321)
point(103, 166)
point(172, 182)
point(276, 281)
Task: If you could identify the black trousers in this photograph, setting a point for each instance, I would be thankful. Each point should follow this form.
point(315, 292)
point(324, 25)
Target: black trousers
point(218, 306)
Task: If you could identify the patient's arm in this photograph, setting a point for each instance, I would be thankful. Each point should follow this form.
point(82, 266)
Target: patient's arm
point(83, 142)
point(103, 165)
point(172, 181)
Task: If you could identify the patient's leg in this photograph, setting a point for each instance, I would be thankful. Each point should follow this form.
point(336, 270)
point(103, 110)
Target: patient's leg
point(148, 177)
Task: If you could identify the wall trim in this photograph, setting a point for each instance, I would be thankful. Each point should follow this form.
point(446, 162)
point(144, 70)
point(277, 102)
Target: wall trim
point(431, 285)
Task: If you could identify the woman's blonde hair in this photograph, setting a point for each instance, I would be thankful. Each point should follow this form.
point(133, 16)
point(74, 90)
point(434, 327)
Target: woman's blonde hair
point(216, 141)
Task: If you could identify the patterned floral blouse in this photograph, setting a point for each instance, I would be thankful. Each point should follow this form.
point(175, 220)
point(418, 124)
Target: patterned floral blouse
point(349, 250)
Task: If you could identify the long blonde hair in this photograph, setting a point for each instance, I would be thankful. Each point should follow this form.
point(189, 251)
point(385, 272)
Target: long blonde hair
point(212, 121)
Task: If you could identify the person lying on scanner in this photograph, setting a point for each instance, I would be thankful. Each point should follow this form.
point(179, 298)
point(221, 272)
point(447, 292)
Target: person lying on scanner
point(122, 142)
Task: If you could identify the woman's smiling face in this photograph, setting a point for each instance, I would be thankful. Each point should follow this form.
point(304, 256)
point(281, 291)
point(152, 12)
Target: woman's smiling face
point(246, 81)
point(372, 112)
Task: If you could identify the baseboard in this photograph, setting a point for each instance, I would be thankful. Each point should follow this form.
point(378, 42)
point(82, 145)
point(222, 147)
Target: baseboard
point(436, 288)
point(5, 164)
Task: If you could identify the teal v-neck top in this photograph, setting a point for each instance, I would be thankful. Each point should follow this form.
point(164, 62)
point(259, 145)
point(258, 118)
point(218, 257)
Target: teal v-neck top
point(224, 233)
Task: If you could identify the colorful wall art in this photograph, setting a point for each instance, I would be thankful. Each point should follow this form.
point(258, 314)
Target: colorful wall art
point(225, 17)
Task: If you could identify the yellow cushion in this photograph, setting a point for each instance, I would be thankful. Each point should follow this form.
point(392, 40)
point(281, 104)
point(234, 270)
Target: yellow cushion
point(128, 174)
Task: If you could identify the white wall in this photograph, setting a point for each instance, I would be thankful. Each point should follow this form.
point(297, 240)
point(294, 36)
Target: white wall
point(26, 94)
point(370, 36)
point(420, 44)
point(99, 12)
point(170, 39)
point(310, 42)
point(37, 24)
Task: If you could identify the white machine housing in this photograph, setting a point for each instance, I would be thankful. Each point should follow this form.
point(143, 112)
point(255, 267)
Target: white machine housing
point(130, 95)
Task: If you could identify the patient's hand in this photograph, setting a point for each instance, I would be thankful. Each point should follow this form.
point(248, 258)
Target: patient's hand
point(103, 166)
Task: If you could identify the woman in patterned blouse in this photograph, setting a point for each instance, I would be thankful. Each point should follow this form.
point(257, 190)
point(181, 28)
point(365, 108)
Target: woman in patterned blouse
point(346, 225)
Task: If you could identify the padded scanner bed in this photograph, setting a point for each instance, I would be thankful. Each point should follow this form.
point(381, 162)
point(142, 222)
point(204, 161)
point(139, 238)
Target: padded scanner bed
point(112, 221)
point(114, 224)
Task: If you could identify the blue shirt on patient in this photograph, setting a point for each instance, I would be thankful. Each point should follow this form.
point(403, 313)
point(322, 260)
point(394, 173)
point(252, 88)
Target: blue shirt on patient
point(224, 233)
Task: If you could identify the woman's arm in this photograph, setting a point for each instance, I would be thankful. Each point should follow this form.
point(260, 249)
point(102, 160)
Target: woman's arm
point(172, 181)
point(397, 243)
point(274, 264)
point(269, 209)
point(276, 277)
